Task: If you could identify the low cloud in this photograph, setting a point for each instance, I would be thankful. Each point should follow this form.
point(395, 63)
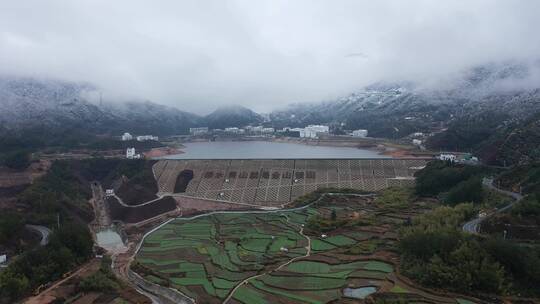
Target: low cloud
point(199, 54)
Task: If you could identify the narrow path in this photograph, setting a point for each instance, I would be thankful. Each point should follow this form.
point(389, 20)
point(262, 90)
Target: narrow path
point(135, 206)
point(308, 253)
point(473, 225)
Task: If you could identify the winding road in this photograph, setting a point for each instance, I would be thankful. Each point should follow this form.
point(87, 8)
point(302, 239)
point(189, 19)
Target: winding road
point(44, 231)
point(473, 225)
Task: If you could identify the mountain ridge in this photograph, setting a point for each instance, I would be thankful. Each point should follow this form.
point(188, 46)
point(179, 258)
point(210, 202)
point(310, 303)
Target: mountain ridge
point(483, 112)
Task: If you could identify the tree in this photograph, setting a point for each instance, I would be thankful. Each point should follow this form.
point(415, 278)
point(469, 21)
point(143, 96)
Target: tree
point(439, 176)
point(99, 281)
point(466, 191)
point(10, 226)
point(12, 285)
point(76, 238)
point(17, 160)
point(333, 215)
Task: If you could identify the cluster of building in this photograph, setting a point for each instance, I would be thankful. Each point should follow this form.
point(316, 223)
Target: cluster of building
point(198, 131)
point(260, 130)
point(466, 158)
point(251, 130)
point(127, 137)
point(310, 131)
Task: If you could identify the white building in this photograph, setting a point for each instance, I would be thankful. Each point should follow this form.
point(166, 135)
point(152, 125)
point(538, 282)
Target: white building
point(447, 157)
point(127, 137)
point(147, 137)
point(360, 133)
point(319, 128)
point(312, 131)
point(198, 131)
point(417, 142)
point(234, 130)
point(307, 133)
point(255, 129)
point(130, 154)
point(268, 130)
point(3, 259)
point(109, 192)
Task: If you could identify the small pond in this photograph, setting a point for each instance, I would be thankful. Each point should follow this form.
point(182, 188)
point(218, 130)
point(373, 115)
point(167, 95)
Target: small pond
point(359, 293)
point(109, 239)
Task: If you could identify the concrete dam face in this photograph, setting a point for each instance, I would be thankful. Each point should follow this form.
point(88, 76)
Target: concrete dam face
point(277, 181)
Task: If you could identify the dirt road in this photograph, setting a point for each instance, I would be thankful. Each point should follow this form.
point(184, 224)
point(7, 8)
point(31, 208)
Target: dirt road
point(101, 209)
point(48, 295)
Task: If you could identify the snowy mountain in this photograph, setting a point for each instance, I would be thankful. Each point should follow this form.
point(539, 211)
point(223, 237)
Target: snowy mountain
point(50, 104)
point(469, 112)
point(232, 116)
point(482, 110)
point(29, 103)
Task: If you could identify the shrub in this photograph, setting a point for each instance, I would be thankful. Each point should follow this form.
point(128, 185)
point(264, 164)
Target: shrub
point(11, 225)
point(99, 281)
point(466, 191)
point(439, 176)
point(394, 198)
point(17, 160)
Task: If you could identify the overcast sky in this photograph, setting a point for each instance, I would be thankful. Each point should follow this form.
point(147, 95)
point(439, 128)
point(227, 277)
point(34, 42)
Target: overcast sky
point(199, 54)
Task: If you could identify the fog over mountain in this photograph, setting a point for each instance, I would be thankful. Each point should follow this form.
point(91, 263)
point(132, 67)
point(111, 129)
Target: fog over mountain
point(200, 55)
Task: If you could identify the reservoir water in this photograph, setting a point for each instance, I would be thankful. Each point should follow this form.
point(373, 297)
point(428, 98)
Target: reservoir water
point(268, 150)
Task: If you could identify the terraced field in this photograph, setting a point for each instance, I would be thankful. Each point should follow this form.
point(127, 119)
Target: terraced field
point(264, 257)
point(206, 257)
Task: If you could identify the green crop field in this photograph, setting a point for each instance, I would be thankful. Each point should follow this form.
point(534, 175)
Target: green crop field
point(207, 257)
point(218, 251)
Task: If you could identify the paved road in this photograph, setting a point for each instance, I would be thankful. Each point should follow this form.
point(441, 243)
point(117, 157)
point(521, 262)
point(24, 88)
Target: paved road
point(44, 231)
point(473, 225)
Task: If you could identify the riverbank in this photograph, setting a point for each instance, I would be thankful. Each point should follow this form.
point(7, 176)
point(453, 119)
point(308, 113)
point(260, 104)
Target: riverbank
point(163, 151)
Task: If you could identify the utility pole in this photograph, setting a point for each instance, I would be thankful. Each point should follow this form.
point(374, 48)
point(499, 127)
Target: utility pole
point(58, 220)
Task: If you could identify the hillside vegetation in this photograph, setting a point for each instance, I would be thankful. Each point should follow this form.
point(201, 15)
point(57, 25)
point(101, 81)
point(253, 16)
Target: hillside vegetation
point(437, 253)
